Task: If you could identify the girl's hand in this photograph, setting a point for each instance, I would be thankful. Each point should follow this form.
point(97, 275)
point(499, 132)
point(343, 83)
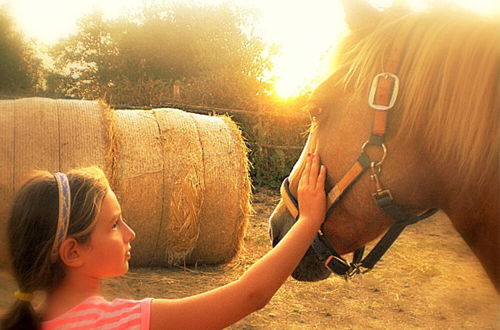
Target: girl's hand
point(311, 190)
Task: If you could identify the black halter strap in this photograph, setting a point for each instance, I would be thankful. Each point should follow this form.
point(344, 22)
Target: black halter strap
point(340, 266)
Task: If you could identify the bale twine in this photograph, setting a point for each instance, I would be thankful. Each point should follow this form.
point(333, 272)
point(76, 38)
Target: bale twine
point(181, 178)
point(46, 134)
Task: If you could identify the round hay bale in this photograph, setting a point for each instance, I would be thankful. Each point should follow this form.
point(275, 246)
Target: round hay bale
point(46, 134)
point(139, 179)
point(181, 178)
point(171, 169)
point(227, 191)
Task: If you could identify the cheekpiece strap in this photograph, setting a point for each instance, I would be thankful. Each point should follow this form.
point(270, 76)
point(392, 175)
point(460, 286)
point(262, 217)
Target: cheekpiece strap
point(63, 215)
point(353, 174)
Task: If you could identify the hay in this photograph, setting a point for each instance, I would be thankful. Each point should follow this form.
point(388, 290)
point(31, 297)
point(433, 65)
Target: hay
point(82, 139)
point(226, 211)
point(189, 175)
point(45, 134)
point(158, 183)
point(109, 122)
point(139, 179)
point(181, 178)
point(183, 175)
point(6, 171)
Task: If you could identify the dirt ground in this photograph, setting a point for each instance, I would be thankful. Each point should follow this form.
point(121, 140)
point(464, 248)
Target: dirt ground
point(429, 279)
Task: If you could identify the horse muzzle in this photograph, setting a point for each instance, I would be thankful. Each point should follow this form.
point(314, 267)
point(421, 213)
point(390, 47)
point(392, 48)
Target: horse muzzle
point(280, 223)
point(310, 268)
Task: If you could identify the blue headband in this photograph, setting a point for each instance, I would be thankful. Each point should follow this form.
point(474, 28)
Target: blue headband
point(64, 212)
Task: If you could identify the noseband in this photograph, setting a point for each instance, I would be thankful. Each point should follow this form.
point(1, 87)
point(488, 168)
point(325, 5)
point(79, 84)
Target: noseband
point(382, 96)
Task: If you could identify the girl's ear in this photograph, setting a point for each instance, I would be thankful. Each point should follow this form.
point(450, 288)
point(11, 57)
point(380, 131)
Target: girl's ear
point(70, 253)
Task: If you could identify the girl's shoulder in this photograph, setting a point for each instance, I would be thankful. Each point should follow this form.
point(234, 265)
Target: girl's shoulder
point(97, 312)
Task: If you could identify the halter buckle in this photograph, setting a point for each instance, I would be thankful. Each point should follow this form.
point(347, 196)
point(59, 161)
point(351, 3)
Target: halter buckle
point(391, 88)
point(354, 270)
point(337, 265)
point(340, 266)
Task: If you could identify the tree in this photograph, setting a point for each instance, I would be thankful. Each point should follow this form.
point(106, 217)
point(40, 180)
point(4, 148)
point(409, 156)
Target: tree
point(20, 69)
point(209, 49)
point(86, 63)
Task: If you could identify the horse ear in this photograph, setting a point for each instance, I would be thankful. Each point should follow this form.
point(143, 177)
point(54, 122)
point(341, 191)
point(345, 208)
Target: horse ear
point(359, 14)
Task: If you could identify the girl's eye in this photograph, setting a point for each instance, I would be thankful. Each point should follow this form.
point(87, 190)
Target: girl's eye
point(115, 224)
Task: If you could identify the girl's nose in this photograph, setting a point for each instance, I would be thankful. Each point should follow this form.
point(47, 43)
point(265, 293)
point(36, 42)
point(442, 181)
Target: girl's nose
point(130, 233)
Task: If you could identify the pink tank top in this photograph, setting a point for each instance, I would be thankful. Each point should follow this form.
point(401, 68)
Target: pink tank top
point(97, 313)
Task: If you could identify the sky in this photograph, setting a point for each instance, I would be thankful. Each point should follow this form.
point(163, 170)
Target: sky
point(297, 26)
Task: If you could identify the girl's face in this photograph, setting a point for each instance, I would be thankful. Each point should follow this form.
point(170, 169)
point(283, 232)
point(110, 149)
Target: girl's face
point(108, 250)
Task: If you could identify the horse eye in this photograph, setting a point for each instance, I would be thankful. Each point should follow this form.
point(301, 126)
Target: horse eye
point(315, 111)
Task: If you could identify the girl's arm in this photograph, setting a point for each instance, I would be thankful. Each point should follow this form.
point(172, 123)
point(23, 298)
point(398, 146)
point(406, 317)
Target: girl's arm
point(225, 305)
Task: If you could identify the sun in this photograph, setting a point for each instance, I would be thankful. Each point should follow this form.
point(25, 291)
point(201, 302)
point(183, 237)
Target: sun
point(305, 32)
point(286, 89)
point(294, 77)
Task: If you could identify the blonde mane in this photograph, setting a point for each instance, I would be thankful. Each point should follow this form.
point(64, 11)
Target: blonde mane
point(449, 94)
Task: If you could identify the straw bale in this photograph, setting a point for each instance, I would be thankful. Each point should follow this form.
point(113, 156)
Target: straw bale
point(46, 134)
point(36, 142)
point(109, 123)
point(183, 185)
point(82, 139)
point(6, 170)
point(181, 178)
point(139, 180)
point(226, 208)
point(179, 186)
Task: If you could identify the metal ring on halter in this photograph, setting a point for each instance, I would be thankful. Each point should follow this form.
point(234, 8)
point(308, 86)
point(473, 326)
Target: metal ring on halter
point(384, 149)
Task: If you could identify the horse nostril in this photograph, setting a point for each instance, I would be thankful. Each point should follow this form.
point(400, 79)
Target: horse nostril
point(276, 240)
point(273, 236)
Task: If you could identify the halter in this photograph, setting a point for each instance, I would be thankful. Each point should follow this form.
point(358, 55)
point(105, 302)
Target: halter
point(382, 97)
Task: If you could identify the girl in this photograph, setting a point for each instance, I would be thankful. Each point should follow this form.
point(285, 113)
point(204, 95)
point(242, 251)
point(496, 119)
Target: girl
point(66, 232)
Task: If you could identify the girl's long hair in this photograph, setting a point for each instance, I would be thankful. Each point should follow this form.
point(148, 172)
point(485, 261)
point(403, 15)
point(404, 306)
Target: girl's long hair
point(31, 229)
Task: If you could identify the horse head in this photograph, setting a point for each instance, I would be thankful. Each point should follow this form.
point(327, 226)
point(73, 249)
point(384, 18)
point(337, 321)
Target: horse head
point(442, 133)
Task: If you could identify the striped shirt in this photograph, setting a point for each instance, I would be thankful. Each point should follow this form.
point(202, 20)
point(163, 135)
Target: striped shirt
point(97, 313)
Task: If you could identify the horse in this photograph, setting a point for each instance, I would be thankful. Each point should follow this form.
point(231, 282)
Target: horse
point(417, 95)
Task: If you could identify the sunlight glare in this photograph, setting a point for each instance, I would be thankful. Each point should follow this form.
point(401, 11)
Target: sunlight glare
point(48, 21)
point(304, 31)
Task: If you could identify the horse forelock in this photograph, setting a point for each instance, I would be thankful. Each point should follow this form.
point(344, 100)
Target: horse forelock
point(449, 94)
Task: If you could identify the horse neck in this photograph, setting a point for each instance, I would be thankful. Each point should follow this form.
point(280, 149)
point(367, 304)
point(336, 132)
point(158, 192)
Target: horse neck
point(475, 213)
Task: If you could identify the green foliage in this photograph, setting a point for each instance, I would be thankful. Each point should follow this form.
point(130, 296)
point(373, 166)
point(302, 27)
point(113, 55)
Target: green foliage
point(86, 64)
point(271, 166)
point(275, 136)
point(204, 48)
point(20, 69)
